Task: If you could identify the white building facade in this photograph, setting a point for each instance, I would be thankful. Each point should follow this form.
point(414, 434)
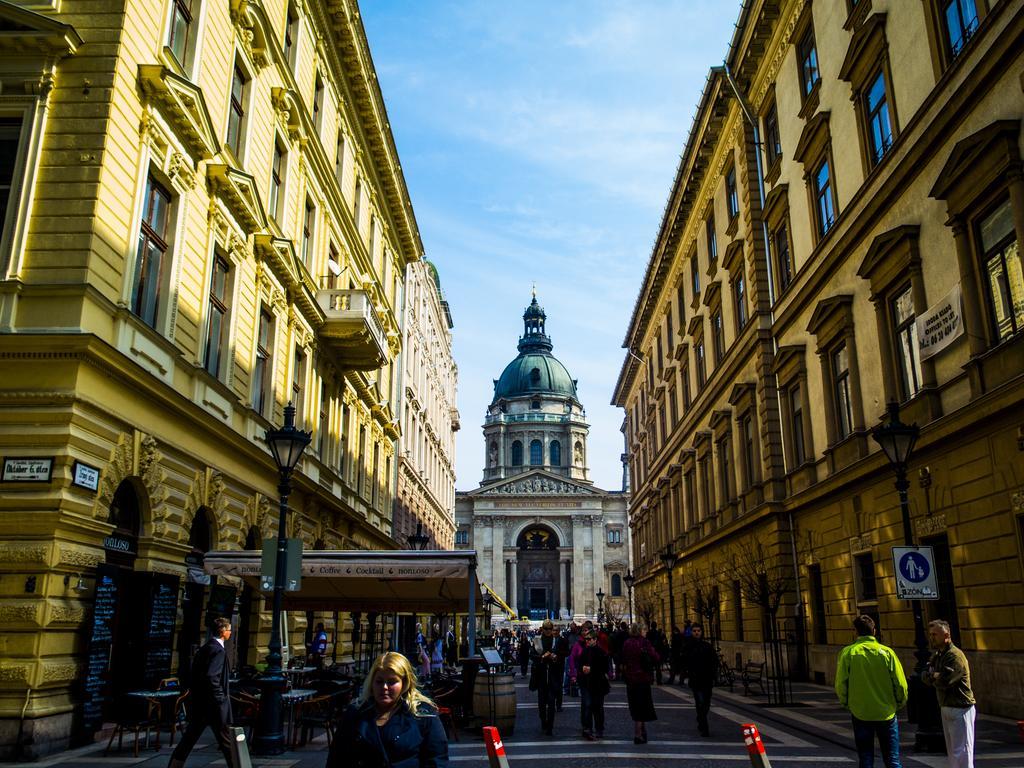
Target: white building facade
point(547, 539)
point(425, 495)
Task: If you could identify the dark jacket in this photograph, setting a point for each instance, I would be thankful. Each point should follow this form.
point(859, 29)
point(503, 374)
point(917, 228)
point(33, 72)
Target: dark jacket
point(638, 660)
point(953, 685)
point(210, 683)
point(406, 741)
point(595, 681)
point(701, 662)
point(548, 672)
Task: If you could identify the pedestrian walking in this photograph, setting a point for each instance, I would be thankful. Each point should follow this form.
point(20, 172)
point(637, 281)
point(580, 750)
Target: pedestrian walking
point(617, 640)
point(392, 724)
point(950, 675)
point(657, 640)
point(701, 662)
point(524, 652)
point(675, 656)
point(593, 684)
point(871, 685)
point(209, 697)
point(422, 652)
point(639, 660)
point(548, 653)
point(436, 651)
point(451, 648)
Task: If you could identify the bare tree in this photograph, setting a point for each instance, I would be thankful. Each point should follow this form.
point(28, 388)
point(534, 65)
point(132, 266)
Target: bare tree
point(705, 581)
point(645, 610)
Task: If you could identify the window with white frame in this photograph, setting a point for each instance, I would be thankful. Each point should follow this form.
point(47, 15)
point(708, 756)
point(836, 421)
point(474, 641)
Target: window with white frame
point(152, 259)
point(262, 374)
point(218, 320)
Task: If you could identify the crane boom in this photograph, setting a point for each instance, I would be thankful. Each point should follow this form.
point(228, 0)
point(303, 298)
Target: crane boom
point(509, 613)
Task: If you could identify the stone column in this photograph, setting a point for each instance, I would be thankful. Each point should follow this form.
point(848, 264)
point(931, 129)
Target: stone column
point(598, 534)
point(498, 555)
point(578, 582)
point(563, 579)
point(513, 589)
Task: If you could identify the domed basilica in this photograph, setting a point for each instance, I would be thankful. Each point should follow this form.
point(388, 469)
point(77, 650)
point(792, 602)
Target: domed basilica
point(547, 539)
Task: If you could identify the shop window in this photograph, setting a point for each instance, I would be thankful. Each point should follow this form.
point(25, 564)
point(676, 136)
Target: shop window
point(517, 453)
point(555, 449)
point(218, 319)
point(262, 372)
point(237, 111)
point(278, 164)
point(308, 232)
point(1002, 273)
point(152, 261)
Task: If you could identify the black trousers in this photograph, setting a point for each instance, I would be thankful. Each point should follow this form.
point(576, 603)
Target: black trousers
point(591, 710)
point(546, 703)
point(196, 725)
point(702, 698)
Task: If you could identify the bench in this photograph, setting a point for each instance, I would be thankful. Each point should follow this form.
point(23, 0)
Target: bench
point(753, 674)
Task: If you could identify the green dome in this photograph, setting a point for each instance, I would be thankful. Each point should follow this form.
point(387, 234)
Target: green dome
point(534, 373)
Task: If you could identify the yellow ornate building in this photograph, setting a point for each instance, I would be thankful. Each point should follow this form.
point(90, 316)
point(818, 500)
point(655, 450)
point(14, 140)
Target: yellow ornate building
point(862, 247)
point(203, 217)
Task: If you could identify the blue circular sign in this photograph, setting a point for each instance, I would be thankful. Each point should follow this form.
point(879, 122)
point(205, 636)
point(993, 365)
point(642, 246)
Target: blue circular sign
point(914, 567)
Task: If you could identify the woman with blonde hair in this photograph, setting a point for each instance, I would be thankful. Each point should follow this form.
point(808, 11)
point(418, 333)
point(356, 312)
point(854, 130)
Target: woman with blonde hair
point(392, 724)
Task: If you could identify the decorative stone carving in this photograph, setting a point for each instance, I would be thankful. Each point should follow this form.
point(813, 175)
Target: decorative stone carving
point(74, 557)
point(537, 485)
point(53, 673)
point(207, 490)
point(118, 468)
point(183, 176)
point(23, 554)
point(152, 474)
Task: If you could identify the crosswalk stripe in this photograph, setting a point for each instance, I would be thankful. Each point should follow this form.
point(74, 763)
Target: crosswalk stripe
point(706, 758)
point(577, 743)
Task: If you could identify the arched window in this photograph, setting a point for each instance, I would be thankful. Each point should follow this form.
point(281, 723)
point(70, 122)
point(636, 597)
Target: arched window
point(517, 453)
point(556, 453)
point(536, 453)
point(616, 585)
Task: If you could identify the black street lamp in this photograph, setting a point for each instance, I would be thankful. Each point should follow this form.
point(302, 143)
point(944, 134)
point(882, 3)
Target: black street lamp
point(668, 557)
point(286, 446)
point(897, 441)
point(629, 578)
point(418, 540)
point(600, 606)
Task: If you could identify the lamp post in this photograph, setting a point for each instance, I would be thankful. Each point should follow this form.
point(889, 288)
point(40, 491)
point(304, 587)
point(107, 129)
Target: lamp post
point(418, 540)
point(668, 557)
point(286, 446)
point(629, 578)
point(897, 441)
point(600, 606)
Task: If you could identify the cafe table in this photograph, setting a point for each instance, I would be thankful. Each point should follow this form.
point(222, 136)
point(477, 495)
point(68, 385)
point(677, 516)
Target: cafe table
point(159, 698)
point(290, 699)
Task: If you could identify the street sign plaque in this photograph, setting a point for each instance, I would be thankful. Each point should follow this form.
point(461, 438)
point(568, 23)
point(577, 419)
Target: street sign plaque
point(293, 577)
point(915, 573)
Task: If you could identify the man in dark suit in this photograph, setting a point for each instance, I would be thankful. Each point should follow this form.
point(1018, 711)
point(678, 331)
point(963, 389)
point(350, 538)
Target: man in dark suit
point(209, 704)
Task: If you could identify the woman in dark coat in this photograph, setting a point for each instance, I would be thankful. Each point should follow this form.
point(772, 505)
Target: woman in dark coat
point(392, 725)
point(638, 662)
point(592, 678)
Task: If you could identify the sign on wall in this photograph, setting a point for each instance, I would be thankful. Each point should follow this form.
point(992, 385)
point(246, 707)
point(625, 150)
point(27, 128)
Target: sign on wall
point(941, 325)
point(915, 573)
point(27, 469)
point(85, 476)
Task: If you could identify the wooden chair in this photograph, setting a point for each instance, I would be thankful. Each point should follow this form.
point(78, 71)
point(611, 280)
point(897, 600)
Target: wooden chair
point(318, 712)
point(133, 714)
point(245, 710)
point(172, 718)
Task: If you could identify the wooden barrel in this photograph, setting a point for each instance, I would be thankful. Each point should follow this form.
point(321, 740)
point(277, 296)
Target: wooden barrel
point(494, 701)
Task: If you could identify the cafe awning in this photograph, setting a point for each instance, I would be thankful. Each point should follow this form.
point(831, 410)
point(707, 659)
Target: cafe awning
point(398, 581)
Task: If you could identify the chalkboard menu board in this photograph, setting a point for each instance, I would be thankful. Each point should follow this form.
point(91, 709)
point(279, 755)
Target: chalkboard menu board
point(101, 641)
point(162, 606)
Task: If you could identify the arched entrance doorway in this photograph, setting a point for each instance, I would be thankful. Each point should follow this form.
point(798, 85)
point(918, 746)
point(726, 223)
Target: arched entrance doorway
point(537, 572)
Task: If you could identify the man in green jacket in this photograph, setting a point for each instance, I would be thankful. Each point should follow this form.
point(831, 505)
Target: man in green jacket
point(871, 685)
point(950, 675)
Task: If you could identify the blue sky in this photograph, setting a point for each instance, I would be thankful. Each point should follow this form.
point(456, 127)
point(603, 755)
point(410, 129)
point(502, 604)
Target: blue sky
point(539, 141)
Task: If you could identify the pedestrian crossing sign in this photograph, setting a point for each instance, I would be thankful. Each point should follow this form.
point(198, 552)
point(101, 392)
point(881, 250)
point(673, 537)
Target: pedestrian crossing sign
point(915, 573)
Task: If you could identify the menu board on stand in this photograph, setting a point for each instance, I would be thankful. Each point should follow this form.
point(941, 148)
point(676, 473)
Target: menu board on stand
point(158, 642)
point(97, 684)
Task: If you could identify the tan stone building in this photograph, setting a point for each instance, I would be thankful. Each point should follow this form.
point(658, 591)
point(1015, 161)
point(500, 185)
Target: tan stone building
point(425, 493)
point(881, 263)
point(203, 218)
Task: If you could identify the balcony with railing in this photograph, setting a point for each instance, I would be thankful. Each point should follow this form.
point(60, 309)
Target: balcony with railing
point(352, 329)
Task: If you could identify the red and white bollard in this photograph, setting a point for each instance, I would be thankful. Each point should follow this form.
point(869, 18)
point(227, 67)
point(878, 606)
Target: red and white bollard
point(755, 747)
point(495, 749)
